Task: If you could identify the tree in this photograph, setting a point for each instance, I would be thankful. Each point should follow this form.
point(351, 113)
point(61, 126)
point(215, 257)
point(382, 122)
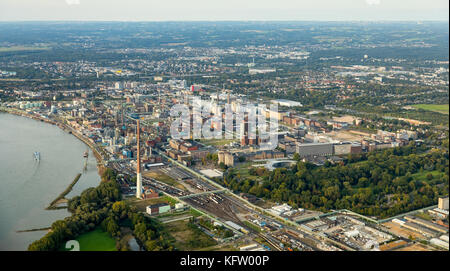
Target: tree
point(119, 208)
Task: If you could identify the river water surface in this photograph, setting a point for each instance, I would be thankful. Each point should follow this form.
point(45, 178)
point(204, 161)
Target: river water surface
point(27, 186)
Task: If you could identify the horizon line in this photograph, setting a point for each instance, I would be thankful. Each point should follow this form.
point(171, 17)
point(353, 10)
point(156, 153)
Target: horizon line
point(229, 20)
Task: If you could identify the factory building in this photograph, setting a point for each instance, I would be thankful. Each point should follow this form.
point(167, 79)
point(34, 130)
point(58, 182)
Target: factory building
point(427, 224)
point(226, 157)
point(264, 155)
point(159, 208)
point(314, 149)
point(280, 209)
point(284, 102)
point(439, 213)
point(287, 146)
point(252, 247)
point(443, 203)
point(347, 148)
point(422, 230)
point(439, 243)
point(236, 226)
point(261, 71)
point(150, 194)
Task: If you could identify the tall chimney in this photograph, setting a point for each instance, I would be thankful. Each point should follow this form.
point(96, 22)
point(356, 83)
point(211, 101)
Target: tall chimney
point(138, 164)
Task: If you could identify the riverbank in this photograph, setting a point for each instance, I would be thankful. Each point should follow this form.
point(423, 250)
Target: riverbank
point(32, 230)
point(100, 160)
point(61, 198)
point(64, 127)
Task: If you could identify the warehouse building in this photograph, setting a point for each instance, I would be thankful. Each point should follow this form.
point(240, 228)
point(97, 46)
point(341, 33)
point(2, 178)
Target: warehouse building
point(287, 146)
point(438, 213)
point(418, 228)
point(159, 208)
point(252, 247)
point(439, 243)
point(284, 102)
point(226, 157)
point(427, 224)
point(234, 225)
point(347, 148)
point(314, 149)
point(443, 203)
point(280, 209)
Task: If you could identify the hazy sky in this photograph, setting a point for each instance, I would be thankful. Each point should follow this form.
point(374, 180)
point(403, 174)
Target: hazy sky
point(170, 10)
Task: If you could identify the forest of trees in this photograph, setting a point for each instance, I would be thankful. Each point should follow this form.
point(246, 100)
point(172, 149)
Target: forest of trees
point(381, 183)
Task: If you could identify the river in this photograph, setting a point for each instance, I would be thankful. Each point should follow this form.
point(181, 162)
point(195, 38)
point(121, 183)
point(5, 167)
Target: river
point(28, 186)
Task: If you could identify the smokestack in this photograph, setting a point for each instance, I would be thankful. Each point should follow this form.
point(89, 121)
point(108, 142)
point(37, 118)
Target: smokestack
point(122, 118)
point(138, 164)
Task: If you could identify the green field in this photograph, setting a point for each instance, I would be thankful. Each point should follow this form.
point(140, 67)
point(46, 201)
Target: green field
point(217, 142)
point(440, 108)
point(21, 48)
point(96, 240)
point(422, 176)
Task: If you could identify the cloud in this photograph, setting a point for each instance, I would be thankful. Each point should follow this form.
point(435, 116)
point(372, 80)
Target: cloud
point(72, 2)
point(373, 2)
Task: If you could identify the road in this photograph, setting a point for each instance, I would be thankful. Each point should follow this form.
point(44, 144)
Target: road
point(258, 211)
point(223, 207)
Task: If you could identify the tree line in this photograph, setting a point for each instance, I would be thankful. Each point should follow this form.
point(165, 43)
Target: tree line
point(381, 183)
